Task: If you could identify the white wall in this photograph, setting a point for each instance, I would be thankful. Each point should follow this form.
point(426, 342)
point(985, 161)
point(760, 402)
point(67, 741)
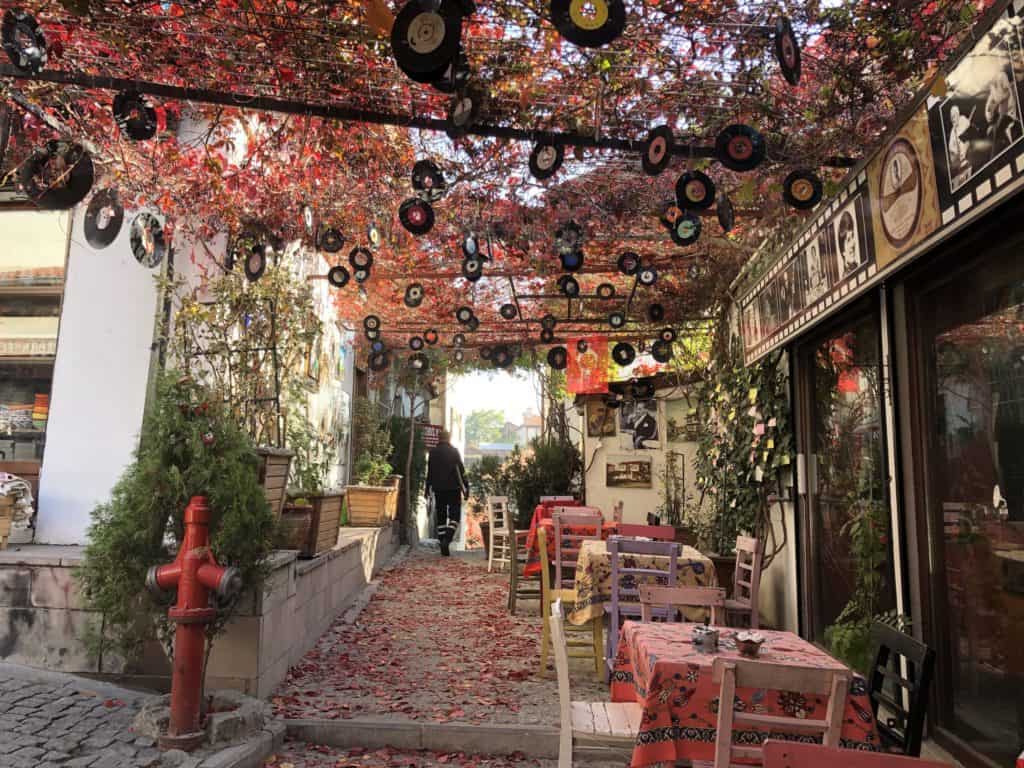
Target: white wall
point(637, 502)
point(99, 382)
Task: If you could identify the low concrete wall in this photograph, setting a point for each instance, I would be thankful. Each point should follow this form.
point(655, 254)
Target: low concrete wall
point(42, 622)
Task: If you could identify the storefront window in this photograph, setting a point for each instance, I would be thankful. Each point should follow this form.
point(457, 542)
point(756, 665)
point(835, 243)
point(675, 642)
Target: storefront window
point(849, 567)
point(975, 336)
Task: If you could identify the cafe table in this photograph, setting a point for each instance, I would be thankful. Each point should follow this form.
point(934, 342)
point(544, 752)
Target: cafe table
point(594, 577)
point(658, 666)
point(542, 519)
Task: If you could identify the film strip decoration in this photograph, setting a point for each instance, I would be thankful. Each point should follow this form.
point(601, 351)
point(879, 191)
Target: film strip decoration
point(958, 154)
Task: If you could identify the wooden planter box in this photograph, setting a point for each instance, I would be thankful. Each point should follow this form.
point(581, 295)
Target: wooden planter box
point(295, 526)
point(371, 505)
point(325, 519)
point(273, 476)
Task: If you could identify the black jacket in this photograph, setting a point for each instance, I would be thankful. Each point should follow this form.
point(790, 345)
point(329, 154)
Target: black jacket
point(444, 469)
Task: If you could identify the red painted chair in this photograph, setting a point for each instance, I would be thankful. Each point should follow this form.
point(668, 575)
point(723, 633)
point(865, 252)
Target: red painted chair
point(790, 754)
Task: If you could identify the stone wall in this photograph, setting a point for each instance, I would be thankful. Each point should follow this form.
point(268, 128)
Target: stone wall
point(42, 623)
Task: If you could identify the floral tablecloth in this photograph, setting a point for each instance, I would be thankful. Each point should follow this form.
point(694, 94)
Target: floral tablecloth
point(658, 666)
point(594, 577)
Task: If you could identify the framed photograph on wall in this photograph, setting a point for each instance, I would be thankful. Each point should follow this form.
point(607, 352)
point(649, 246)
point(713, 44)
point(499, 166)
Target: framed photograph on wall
point(628, 472)
point(638, 419)
point(600, 419)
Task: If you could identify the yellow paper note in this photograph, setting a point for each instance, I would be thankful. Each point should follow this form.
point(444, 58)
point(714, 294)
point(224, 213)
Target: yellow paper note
point(752, 395)
point(771, 444)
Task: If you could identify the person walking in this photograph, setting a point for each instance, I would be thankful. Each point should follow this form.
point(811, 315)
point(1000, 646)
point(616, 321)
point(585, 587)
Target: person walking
point(446, 477)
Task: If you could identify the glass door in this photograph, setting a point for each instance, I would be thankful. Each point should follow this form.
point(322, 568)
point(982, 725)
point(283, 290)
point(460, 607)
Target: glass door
point(846, 570)
point(971, 354)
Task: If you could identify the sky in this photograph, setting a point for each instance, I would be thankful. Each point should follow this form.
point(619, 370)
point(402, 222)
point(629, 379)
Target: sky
point(513, 393)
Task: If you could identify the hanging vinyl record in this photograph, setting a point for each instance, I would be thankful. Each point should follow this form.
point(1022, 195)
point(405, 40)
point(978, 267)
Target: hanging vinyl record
point(547, 335)
point(373, 235)
point(670, 213)
point(787, 50)
point(463, 112)
point(485, 352)
point(415, 343)
point(508, 311)
point(361, 275)
point(135, 116)
point(687, 229)
point(371, 323)
point(24, 41)
point(572, 262)
point(331, 240)
point(725, 213)
point(455, 76)
point(502, 356)
point(558, 358)
point(103, 219)
point(463, 314)
point(647, 276)
point(58, 175)
point(545, 160)
point(694, 190)
point(569, 286)
point(568, 237)
point(430, 336)
point(606, 291)
point(629, 263)
point(419, 362)
point(458, 356)
point(661, 351)
point(582, 346)
point(656, 313)
point(802, 189)
point(740, 148)
point(473, 324)
point(623, 354)
point(658, 149)
point(416, 216)
point(338, 276)
point(472, 269)
point(616, 320)
point(667, 335)
point(425, 42)
point(459, 339)
point(379, 361)
point(413, 295)
point(548, 322)
point(427, 178)
point(147, 239)
point(589, 23)
point(256, 262)
point(360, 258)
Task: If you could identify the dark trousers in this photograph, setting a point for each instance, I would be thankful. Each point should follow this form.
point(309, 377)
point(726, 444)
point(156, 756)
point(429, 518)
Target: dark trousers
point(448, 508)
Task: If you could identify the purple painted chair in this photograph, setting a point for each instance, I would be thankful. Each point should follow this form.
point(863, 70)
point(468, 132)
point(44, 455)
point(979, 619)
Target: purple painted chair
point(626, 581)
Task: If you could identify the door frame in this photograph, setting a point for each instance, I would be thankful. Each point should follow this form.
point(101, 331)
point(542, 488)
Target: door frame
point(997, 233)
point(803, 390)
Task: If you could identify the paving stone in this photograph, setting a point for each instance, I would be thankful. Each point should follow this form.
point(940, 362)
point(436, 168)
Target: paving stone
point(81, 762)
point(29, 752)
point(56, 756)
point(67, 743)
point(97, 743)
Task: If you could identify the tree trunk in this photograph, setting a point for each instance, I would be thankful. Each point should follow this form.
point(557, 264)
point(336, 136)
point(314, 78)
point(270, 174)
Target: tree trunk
point(407, 507)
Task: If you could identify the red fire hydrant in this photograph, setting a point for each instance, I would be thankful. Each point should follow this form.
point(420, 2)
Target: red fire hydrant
point(194, 573)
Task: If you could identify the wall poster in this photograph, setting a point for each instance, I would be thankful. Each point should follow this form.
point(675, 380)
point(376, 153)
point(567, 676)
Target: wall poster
point(600, 419)
point(628, 472)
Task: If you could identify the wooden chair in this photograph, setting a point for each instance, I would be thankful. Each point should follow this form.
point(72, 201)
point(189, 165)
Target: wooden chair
point(901, 728)
point(592, 723)
point(792, 754)
point(520, 586)
point(501, 526)
point(625, 601)
point(590, 646)
point(573, 526)
point(656, 532)
point(742, 673)
point(674, 598)
point(746, 581)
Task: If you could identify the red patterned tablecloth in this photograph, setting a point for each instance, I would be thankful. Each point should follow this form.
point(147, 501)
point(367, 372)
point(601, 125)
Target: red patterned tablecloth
point(658, 666)
point(532, 567)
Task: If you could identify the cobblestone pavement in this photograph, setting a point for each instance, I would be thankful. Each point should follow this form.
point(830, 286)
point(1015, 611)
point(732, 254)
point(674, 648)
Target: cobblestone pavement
point(49, 720)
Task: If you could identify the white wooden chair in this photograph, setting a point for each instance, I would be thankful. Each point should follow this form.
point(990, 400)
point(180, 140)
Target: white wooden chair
point(746, 581)
point(743, 673)
point(596, 722)
point(674, 598)
point(500, 530)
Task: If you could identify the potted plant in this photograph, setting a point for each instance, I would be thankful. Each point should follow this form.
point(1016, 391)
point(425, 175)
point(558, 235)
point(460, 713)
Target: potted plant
point(373, 501)
point(310, 497)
